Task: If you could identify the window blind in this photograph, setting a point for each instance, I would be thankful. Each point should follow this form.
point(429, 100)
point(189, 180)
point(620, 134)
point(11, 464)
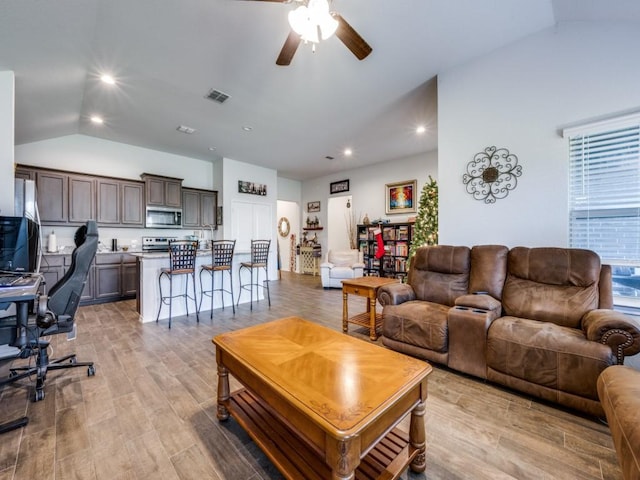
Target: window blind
point(604, 192)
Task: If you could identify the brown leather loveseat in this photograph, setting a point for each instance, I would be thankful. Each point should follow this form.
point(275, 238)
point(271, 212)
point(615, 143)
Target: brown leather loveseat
point(538, 320)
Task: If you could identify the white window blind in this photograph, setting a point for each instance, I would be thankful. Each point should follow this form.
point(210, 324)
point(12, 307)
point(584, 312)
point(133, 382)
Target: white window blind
point(604, 191)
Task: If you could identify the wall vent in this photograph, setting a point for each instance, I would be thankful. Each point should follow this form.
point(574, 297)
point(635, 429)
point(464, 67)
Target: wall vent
point(185, 129)
point(217, 96)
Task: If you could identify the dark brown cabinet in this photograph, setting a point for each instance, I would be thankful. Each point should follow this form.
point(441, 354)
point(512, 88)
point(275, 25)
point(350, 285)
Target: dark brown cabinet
point(198, 207)
point(82, 203)
point(120, 202)
point(163, 191)
point(108, 201)
point(52, 195)
point(132, 196)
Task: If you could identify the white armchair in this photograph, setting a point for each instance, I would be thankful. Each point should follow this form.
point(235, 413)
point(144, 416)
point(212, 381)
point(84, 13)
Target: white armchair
point(341, 265)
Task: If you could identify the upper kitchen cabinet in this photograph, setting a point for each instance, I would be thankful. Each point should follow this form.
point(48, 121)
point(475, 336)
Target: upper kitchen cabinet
point(52, 196)
point(163, 191)
point(120, 202)
point(82, 198)
point(199, 207)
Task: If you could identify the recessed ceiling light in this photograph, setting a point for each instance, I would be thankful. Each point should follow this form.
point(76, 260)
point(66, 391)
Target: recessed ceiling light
point(96, 119)
point(420, 129)
point(108, 79)
point(348, 152)
point(212, 149)
point(247, 128)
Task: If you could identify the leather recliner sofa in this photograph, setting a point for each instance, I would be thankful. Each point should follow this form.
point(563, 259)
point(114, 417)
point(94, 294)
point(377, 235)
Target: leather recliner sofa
point(537, 320)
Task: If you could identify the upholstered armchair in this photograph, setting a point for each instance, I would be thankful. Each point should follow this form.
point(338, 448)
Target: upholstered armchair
point(341, 265)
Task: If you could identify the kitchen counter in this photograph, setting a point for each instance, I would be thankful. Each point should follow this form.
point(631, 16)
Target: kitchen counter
point(150, 264)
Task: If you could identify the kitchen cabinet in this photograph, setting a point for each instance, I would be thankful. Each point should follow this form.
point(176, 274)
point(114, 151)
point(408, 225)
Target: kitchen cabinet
point(163, 191)
point(52, 195)
point(198, 207)
point(65, 198)
point(82, 199)
point(120, 202)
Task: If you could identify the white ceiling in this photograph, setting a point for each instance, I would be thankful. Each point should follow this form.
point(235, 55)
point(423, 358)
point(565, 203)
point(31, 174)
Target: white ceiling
point(167, 54)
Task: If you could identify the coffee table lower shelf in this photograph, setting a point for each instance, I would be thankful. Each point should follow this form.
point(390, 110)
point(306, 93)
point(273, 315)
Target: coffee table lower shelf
point(296, 459)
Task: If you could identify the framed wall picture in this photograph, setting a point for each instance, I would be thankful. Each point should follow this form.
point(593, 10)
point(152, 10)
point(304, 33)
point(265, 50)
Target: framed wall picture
point(401, 197)
point(313, 206)
point(219, 216)
point(252, 188)
point(338, 187)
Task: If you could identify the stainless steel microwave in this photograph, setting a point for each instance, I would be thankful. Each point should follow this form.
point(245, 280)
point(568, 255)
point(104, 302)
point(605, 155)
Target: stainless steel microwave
point(162, 217)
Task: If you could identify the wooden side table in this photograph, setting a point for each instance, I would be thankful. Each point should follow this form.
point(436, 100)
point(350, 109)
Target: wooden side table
point(363, 287)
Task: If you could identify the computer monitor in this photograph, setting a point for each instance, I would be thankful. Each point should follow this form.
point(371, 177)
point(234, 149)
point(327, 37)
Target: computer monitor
point(18, 244)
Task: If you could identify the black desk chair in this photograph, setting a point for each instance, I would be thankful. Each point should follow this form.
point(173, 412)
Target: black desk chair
point(56, 313)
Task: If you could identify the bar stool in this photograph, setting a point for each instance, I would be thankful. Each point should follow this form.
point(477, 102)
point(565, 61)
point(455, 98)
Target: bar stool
point(182, 261)
point(259, 259)
point(221, 261)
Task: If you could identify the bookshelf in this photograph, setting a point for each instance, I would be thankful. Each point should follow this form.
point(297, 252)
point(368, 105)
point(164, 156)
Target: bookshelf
point(396, 238)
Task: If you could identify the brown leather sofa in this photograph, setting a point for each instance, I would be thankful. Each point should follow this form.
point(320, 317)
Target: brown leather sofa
point(619, 392)
point(538, 320)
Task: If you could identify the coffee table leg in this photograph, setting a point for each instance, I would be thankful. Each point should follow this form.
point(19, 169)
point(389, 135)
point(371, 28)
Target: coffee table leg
point(345, 312)
point(343, 457)
point(372, 319)
point(417, 438)
point(223, 392)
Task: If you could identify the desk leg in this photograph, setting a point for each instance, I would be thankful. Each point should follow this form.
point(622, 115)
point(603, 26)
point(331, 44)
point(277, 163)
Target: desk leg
point(223, 392)
point(417, 437)
point(371, 307)
point(345, 312)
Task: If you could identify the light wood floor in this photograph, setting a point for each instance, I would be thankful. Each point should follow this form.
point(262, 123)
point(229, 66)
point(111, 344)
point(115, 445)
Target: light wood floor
point(149, 413)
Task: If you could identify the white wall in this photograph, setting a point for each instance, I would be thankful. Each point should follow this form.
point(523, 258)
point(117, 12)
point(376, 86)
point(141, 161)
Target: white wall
point(237, 205)
point(7, 88)
point(289, 190)
point(367, 188)
point(519, 97)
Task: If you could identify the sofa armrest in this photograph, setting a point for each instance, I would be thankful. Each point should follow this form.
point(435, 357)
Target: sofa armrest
point(395, 294)
point(480, 302)
point(327, 265)
point(619, 331)
point(357, 265)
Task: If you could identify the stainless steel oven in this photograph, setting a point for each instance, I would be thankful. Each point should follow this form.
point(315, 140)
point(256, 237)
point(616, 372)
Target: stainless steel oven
point(161, 217)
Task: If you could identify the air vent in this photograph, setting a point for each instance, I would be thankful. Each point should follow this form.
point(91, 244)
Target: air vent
point(217, 96)
point(329, 157)
point(185, 129)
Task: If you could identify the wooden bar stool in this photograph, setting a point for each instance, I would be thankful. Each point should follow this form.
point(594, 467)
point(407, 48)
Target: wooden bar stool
point(259, 259)
point(182, 261)
point(221, 261)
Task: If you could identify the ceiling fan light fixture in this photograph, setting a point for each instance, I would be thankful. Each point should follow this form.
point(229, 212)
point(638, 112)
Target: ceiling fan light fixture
point(307, 20)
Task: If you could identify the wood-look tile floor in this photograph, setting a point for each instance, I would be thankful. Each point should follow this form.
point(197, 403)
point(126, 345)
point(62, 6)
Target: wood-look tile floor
point(149, 412)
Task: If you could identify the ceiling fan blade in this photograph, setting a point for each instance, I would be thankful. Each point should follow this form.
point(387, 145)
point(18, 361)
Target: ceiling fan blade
point(352, 40)
point(288, 49)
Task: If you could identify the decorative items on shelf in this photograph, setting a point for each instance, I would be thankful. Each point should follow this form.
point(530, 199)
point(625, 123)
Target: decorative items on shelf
point(313, 222)
point(492, 174)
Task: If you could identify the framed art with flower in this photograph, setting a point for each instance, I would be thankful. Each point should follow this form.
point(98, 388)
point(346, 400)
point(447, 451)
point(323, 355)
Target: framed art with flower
point(400, 197)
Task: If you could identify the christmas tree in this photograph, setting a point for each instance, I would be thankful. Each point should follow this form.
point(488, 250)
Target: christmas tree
point(426, 227)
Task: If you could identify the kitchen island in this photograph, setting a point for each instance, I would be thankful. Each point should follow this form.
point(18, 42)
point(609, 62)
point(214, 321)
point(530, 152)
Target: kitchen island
point(149, 266)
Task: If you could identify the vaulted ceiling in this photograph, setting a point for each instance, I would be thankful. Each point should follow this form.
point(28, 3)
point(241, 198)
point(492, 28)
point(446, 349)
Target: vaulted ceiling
point(166, 55)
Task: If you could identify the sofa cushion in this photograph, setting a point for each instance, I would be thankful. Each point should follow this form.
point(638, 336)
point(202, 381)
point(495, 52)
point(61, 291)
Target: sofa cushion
point(342, 272)
point(547, 354)
point(419, 323)
point(619, 392)
point(556, 285)
point(440, 274)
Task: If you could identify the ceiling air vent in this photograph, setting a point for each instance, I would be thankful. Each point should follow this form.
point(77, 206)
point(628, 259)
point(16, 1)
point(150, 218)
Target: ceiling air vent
point(217, 96)
point(185, 129)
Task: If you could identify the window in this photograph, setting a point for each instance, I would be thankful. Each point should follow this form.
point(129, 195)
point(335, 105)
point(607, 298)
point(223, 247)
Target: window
point(604, 199)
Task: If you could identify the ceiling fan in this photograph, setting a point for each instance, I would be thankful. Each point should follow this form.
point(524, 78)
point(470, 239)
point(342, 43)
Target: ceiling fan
point(311, 21)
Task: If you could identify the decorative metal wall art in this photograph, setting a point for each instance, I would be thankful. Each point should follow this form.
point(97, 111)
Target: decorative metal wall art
point(492, 174)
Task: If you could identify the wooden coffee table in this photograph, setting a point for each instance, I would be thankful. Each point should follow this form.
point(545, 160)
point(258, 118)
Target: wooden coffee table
point(321, 404)
point(364, 287)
